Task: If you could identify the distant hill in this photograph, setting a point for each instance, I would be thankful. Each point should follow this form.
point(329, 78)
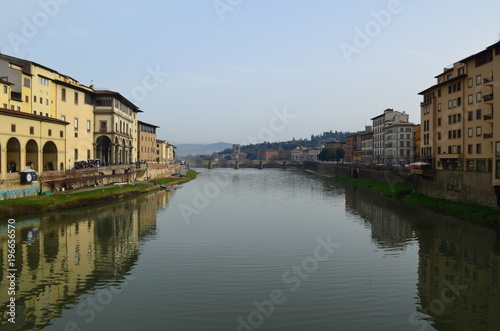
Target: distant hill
point(201, 149)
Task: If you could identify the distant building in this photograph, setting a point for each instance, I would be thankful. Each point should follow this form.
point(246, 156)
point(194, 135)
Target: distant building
point(267, 154)
point(297, 155)
point(146, 142)
point(398, 140)
point(380, 122)
point(367, 146)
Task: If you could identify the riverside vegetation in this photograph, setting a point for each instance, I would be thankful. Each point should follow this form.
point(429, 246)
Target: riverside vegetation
point(466, 211)
point(69, 200)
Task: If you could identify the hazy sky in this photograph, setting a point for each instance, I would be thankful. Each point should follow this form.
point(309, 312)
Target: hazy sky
point(247, 70)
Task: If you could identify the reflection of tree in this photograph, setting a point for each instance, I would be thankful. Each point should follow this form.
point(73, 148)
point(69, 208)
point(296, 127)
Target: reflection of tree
point(459, 262)
point(74, 251)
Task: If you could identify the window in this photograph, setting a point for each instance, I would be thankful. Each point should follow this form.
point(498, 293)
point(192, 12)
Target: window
point(26, 98)
point(439, 135)
point(50, 133)
point(478, 114)
point(497, 153)
point(470, 99)
point(27, 82)
point(469, 82)
point(76, 123)
point(478, 131)
point(459, 118)
point(469, 115)
point(32, 130)
point(88, 154)
point(61, 134)
point(479, 79)
point(43, 81)
point(41, 100)
point(63, 94)
point(479, 96)
point(439, 106)
point(34, 112)
point(46, 102)
point(13, 128)
point(450, 104)
point(34, 98)
point(469, 149)
point(103, 126)
point(5, 105)
point(76, 98)
point(76, 134)
point(469, 132)
point(5, 89)
point(478, 148)
point(63, 117)
point(76, 154)
point(88, 125)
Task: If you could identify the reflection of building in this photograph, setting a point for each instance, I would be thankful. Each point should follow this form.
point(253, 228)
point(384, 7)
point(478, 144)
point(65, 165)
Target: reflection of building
point(62, 256)
point(458, 276)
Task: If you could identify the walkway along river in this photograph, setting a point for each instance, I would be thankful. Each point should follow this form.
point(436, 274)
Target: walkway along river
point(252, 249)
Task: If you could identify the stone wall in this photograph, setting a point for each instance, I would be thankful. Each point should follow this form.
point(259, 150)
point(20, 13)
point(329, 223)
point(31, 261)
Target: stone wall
point(55, 181)
point(466, 187)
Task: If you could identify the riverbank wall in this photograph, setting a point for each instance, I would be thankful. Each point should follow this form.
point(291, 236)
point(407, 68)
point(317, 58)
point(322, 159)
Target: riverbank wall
point(55, 181)
point(458, 186)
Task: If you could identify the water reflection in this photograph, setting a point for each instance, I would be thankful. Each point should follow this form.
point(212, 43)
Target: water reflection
point(64, 255)
point(459, 262)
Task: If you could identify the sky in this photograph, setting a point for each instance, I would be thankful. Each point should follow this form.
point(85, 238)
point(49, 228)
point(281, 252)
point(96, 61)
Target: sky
point(247, 71)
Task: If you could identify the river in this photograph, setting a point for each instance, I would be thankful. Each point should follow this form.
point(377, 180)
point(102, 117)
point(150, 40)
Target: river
point(253, 249)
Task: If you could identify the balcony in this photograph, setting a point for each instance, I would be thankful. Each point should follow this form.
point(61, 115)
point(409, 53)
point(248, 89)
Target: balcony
point(488, 117)
point(488, 97)
point(425, 103)
point(487, 135)
point(16, 96)
point(488, 80)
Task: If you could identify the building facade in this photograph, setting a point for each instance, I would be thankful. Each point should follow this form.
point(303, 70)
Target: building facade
point(115, 128)
point(379, 123)
point(460, 130)
point(399, 146)
point(146, 138)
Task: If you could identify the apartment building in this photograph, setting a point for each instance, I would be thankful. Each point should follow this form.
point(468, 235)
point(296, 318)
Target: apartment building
point(379, 124)
point(367, 147)
point(459, 128)
point(399, 144)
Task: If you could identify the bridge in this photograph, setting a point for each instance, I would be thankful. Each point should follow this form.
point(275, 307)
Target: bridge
point(236, 164)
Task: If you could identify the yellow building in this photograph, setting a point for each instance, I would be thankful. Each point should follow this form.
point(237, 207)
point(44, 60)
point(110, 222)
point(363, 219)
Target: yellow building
point(146, 142)
point(75, 104)
point(115, 128)
point(161, 151)
point(459, 128)
point(33, 141)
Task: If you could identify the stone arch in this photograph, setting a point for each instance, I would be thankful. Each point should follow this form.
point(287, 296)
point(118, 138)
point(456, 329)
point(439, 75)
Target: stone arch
point(103, 149)
point(49, 156)
point(13, 155)
point(32, 154)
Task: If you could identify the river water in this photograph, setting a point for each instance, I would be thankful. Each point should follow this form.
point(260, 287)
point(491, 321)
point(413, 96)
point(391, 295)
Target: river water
point(253, 249)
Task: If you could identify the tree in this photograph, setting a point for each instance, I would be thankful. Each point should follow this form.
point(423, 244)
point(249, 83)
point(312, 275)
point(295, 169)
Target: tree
point(331, 154)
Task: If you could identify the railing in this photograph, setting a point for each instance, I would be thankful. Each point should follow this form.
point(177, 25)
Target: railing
point(488, 117)
point(487, 135)
point(488, 80)
point(488, 97)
